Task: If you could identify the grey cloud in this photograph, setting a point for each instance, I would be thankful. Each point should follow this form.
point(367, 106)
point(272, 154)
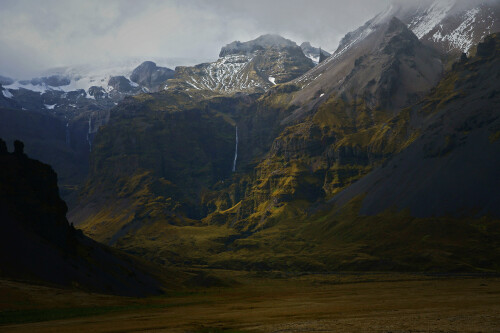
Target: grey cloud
point(35, 35)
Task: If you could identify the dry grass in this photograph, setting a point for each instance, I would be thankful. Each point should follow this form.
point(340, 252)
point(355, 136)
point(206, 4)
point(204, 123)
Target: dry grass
point(280, 303)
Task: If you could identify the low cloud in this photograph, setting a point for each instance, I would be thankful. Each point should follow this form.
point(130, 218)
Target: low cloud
point(36, 35)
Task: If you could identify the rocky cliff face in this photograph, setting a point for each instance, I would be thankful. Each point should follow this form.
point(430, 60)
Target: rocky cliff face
point(151, 76)
point(331, 137)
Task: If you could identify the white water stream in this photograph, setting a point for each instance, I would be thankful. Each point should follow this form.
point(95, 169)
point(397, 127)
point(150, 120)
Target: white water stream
point(236, 151)
point(89, 139)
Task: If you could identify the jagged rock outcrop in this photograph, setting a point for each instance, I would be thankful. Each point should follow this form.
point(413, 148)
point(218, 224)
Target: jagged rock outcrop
point(121, 84)
point(261, 43)
point(151, 76)
point(317, 55)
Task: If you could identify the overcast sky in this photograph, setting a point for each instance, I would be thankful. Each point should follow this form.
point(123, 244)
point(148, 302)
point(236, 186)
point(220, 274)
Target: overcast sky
point(36, 35)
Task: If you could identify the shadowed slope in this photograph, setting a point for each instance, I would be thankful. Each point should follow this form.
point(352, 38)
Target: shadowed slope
point(37, 244)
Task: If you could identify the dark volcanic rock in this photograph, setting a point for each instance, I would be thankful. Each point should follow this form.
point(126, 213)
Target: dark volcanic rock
point(399, 40)
point(121, 84)
point(97, 92)
point(151, 76)
point(487, 48)
point(260, 43)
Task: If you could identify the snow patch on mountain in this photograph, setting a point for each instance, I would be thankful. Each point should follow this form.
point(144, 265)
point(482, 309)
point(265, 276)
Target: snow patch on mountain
point(314, 58)
point(40, 88)
point(228, 74)
point(6, 93)
point(421, 25)
point(461, 37)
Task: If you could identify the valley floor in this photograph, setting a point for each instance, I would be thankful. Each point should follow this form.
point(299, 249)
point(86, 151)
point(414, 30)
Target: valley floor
point(272, 303)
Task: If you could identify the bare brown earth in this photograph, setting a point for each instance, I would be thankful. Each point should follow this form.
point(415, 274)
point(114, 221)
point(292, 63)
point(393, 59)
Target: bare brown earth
point(312, 303)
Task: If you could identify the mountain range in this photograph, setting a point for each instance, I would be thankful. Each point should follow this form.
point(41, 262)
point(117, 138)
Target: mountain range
point(383, 155)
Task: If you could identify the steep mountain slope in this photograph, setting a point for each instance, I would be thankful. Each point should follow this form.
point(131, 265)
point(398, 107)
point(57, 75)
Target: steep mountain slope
point(37, 243)
point(452, 168)
point(389, 68)
point(252, 66)
point(452, 26)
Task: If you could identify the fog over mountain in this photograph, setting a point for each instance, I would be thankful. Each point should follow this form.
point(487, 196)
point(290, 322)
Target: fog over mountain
point(36, 36)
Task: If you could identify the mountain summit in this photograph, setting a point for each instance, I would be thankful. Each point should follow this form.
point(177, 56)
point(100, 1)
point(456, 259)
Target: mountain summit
point(252, 66)
point(383, 64)
point(259, 44)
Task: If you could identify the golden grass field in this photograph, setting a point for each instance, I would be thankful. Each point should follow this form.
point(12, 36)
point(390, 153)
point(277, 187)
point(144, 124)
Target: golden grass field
point(277, 303)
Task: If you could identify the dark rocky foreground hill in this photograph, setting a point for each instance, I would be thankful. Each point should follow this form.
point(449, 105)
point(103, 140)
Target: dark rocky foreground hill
point(38, 245)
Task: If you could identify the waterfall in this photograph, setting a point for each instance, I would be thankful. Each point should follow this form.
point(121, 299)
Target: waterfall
point(68, 143)
point(89, 140)
point(235, 151)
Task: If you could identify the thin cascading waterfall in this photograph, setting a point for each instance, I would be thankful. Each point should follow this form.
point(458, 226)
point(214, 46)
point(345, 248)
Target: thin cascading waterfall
point(68, 143)
point(235, 151)
point(89, 133)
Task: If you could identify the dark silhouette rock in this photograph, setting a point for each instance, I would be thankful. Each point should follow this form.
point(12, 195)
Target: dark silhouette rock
point(3, 147)
point(38, 244)
point(121, 84)
point(18, 147)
